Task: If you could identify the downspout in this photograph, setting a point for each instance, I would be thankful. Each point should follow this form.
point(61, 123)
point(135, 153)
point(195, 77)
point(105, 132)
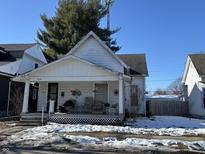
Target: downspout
point(7, 112)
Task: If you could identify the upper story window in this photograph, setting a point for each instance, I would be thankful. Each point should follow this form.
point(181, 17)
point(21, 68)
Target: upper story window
point(36, 65)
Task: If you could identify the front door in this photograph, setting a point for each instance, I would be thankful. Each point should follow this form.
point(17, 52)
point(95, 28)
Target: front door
point(101, 93)
point(33, 98)
point(52, 95)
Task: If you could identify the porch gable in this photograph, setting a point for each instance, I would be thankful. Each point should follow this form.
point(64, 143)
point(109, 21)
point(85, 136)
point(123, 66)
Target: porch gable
point(72, 69)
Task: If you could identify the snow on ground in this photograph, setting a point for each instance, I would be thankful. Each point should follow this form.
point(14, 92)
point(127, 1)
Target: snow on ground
point(166, 122)
point(158, 125)
point(138, 142)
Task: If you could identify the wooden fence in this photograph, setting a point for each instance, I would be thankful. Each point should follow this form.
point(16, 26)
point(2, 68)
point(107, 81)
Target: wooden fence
point(167, 107)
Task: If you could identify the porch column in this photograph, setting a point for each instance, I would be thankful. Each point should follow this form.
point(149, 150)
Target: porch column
point(121, 96)
point(26, 97)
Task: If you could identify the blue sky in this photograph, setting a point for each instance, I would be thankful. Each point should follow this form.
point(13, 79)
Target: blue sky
point(166, 30)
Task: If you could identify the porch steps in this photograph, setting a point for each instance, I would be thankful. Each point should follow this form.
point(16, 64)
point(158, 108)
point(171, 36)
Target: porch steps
point(32, 119)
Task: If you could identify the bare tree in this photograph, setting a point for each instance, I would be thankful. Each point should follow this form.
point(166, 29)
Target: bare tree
point(160, 91)
point(16, 98)
point(176, 87)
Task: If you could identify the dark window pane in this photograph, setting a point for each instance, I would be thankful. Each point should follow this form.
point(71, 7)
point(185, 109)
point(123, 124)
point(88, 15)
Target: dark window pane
point(53, 89)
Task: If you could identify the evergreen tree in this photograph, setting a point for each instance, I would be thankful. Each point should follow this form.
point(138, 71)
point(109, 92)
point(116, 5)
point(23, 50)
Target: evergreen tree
point(73, 20)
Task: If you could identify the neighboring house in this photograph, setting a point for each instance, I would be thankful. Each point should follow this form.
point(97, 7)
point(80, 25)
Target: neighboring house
point(194, 81)
point(98, 81)
point(16, 59)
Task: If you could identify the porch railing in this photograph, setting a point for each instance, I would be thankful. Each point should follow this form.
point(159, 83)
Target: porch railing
point(89, 110)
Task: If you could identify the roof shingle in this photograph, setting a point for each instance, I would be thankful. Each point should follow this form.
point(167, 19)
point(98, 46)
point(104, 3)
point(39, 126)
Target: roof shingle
point(198, 61)
point(137, 62)
point(16, 50)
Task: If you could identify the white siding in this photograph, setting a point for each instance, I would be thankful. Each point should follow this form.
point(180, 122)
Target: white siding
point(113, 98)
point(92, 51)
point(140, 109)
point(42, 96)
point(36, 53)
point(28, 64)
point(86, 89)
point(71, 70)
point(194, 92)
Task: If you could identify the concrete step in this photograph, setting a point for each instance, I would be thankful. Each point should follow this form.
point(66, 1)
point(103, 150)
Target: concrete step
point(29, 124)
point(31, 116)
point(32, 119)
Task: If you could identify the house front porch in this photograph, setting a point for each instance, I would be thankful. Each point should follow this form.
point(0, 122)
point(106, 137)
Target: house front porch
point(72, 85)
point(93, 102)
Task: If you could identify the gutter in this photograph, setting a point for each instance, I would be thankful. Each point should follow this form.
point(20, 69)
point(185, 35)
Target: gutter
point(6, 74)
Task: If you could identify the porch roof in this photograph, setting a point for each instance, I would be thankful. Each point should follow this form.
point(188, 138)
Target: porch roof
point(69, 68)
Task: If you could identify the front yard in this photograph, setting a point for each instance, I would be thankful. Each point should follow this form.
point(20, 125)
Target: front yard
point(159, 133)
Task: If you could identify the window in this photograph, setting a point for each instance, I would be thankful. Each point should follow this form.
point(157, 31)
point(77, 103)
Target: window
point(203, 90)
point(34, 94)
point(134, 95)
point(36, 65)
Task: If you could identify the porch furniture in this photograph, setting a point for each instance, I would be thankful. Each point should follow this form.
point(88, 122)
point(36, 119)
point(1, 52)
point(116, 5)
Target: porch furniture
point(98, 107)
point(68, 106)
point(106, 106)
point(88, 104)
point(112, 111)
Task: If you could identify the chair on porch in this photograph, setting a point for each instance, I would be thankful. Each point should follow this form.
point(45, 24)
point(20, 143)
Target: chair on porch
point(88, 104)
point(98, 107)
point(68, 106)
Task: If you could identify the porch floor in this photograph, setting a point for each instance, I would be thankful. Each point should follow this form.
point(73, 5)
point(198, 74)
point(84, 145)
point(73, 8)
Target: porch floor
point(100, 119)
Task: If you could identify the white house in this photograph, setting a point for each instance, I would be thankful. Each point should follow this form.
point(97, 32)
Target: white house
point(25, 60)
point(194, 81)
point(99, 81)
point(16, 59)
